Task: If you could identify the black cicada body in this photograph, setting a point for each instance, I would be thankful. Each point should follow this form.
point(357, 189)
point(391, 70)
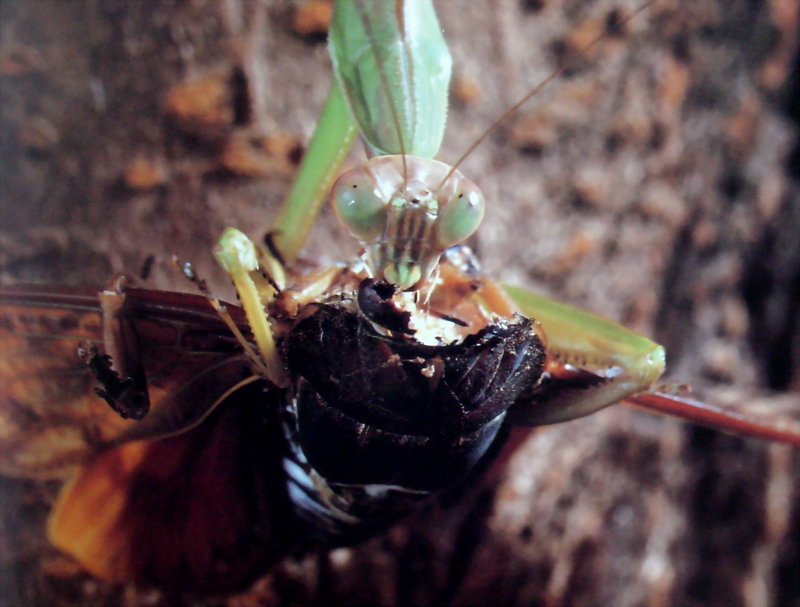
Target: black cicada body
point(378, 422)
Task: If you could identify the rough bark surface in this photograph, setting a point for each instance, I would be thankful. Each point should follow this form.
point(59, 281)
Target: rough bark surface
point(649, 184)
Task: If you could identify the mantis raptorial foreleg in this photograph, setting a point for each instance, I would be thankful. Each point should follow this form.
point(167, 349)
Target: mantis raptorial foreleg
point(237, 256)
point(623, 361)
point(240, 258)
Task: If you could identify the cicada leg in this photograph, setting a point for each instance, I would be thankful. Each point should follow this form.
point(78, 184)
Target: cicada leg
point(119, 369)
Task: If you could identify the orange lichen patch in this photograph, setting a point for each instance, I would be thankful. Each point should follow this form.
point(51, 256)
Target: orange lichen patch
point(673, 86)
point(576, 97)
point(633, 127)
point(257, 156)
point(144, 173)
point(313, 18)
point(204, 101)
point(591, 37)
point(583, 35)
point(466, 90)
point(534, 130)
point(540, 127)
point(19, 60)
point(742, 126)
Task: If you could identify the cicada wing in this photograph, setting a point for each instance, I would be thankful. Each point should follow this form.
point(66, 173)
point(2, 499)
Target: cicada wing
point(51, 419)
point(48, 410)
point(774, 418)
point(200, 511)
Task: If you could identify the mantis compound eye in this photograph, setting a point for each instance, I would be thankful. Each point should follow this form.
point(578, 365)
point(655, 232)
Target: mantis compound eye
point(460, 215)
point(358, 204)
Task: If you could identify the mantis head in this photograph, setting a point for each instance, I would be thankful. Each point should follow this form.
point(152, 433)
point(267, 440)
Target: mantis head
point(406, 214)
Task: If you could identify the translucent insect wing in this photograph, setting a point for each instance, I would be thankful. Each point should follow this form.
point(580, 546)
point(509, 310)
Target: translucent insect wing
point(51, 417)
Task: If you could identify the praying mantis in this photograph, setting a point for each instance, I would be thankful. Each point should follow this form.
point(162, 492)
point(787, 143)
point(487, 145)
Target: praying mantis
point(500, 523)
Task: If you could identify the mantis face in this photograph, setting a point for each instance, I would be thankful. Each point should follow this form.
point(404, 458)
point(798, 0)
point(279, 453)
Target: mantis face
point(406, 212)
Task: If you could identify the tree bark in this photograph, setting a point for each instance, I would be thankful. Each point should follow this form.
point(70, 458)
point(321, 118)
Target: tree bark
point(650, 184)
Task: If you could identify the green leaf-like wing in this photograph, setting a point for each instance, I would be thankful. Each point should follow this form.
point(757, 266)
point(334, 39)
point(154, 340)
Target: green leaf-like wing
point(394, 68)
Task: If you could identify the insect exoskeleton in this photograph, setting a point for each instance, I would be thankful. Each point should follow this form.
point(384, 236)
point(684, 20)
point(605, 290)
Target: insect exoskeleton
point(393, 396)
point(379, 422)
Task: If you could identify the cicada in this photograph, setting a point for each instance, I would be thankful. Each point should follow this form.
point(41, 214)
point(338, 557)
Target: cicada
point(244, 458)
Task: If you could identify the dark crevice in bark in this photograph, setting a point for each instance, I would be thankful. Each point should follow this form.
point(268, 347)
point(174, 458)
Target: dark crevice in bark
point(675, 300)
point(721, 535)
point(771, 279)
point(771, 288)
point(470, 537)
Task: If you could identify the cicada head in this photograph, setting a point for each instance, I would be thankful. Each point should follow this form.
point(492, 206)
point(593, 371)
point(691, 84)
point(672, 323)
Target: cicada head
point(406, 211)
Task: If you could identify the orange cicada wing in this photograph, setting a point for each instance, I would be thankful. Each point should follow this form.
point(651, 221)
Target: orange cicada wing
point(201, 511)
point(165, 501)
point(50, 417)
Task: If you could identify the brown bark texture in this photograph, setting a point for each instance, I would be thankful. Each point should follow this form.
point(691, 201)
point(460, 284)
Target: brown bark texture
point(650, 183)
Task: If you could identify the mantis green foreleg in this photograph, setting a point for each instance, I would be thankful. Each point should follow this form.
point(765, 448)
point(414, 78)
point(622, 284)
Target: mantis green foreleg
point(626, 361)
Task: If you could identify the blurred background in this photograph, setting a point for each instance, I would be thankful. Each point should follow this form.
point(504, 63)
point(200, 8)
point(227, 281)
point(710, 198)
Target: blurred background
point(655, 183)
